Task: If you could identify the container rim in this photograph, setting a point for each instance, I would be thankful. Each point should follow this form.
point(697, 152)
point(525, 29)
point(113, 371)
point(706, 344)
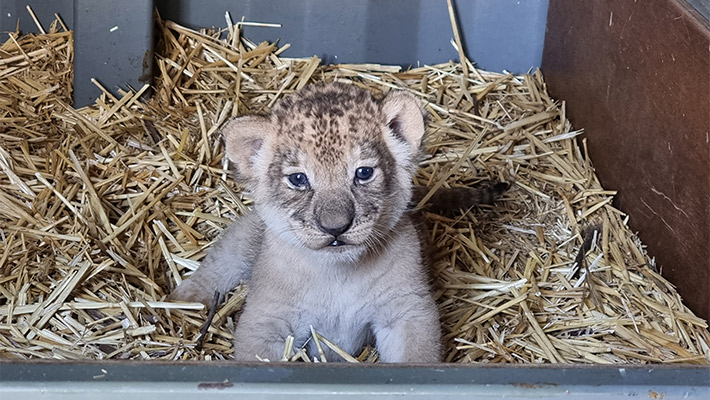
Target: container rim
point(201, 372)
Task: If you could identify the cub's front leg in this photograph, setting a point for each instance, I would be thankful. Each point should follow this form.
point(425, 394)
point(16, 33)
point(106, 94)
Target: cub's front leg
point(407, 329)
point(261, 331)
point(228, 262)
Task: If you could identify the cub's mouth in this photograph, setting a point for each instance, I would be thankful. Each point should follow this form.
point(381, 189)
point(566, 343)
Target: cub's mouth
point(337, 245)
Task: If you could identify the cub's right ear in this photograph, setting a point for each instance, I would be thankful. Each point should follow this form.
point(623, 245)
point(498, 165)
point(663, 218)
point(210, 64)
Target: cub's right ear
point(404, 117)
point(244, 138)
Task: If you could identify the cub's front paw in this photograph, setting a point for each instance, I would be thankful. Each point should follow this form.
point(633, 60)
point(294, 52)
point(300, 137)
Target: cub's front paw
point(193, 292)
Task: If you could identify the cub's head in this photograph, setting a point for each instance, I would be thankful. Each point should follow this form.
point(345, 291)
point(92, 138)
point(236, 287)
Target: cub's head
point(331, 167)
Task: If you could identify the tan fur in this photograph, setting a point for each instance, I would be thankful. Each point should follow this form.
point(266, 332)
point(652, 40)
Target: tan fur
point(372, 286)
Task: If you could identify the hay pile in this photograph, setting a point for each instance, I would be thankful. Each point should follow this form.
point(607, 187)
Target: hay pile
point(106, 208)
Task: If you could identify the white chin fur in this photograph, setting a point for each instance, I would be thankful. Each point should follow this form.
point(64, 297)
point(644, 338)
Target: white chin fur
point(278, 224)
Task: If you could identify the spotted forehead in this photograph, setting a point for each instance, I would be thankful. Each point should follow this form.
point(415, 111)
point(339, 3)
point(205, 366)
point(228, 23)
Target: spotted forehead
point(329, 120)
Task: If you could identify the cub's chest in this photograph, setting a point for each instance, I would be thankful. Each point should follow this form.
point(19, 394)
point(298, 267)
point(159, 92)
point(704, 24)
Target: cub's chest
point(338, 291)
point(341, 310)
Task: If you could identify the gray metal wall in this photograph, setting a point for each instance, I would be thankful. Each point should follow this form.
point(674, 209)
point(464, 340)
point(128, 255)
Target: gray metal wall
point(14, 11)
point(113, 39)
point(498, 34)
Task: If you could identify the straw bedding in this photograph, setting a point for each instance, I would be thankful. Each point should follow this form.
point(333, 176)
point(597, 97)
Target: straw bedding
point(105, 209)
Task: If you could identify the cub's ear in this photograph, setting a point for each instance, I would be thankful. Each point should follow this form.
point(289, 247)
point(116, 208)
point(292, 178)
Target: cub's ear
point(244, 138)
point(404, 117)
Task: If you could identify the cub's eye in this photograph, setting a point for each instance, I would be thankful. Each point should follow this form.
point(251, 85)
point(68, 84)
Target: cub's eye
point(298, 181)
point(364, 174)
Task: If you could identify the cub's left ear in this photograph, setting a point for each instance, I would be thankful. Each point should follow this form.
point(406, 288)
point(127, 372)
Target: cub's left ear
point(404, 117)
point(244, 138)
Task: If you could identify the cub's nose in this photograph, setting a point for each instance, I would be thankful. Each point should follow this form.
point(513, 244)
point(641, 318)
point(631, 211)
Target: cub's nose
point(335, 217)
point(336, 224)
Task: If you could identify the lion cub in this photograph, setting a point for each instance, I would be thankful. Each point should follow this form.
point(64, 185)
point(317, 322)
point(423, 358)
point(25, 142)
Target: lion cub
point(329, 243)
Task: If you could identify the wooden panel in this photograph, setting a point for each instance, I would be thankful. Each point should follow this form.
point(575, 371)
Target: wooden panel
point(636, 77)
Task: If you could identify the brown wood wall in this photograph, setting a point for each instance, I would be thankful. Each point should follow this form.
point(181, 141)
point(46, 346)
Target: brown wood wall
point(636, 77)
